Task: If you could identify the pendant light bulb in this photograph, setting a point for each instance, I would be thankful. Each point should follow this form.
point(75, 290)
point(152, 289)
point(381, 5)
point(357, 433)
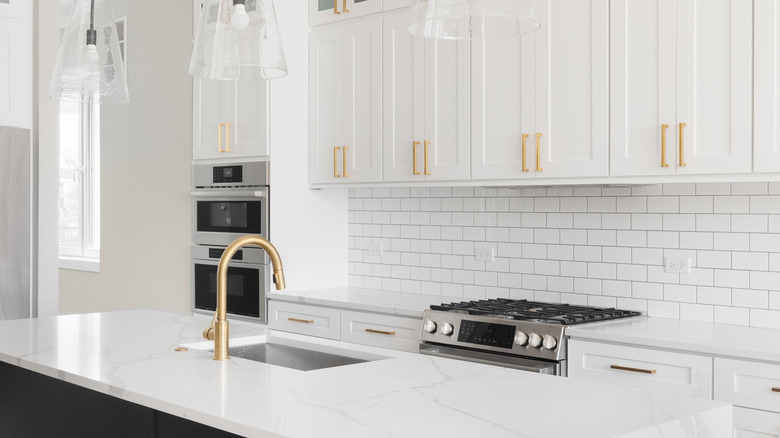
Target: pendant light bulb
point(91, 54)
point(239, 19)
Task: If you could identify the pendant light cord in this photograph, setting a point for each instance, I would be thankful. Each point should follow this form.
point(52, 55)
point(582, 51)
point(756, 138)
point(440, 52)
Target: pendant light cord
point(92, 33)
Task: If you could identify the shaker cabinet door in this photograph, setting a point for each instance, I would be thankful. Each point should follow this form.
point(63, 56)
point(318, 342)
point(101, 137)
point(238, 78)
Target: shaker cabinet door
point(572, 88)
point(714, 86)
point(766, 108)
point(643, 90)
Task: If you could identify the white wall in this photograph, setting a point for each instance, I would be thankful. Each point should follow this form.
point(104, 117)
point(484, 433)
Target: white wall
point(308, 227)
point(145, 170)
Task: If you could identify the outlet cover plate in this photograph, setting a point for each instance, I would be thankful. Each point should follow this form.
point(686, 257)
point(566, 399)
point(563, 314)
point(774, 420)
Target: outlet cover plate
point(679, 265)
point(485, 254)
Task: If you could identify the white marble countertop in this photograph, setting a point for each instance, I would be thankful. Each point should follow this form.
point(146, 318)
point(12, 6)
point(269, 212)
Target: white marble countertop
point(370, 300)
point(130, 355)
point(690, 336)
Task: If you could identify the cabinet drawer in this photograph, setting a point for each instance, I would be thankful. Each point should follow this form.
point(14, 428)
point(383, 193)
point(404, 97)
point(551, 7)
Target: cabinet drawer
point(643, 368)
point(750, 384)
point(306, 320)
point(394, 332)
point(750, 423)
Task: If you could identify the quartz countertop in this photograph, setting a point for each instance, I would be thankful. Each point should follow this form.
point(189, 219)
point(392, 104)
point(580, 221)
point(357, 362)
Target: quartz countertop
point(690, 336)
point(371, 300)
point(131, 355)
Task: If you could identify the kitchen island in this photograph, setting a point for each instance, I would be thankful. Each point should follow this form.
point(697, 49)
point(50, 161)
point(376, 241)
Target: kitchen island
point(131, 356)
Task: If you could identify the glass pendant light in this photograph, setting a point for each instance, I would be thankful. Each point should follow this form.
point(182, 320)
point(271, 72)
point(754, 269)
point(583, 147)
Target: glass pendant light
point(89, 65)
point(238, 40)
point(472, 19)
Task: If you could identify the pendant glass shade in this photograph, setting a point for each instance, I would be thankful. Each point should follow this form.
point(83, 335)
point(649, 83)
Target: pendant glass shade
point(89, 65)
point(229, 48)
point(472, 19)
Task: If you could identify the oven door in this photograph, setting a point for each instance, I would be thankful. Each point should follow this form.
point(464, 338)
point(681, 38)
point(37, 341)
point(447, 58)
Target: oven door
point(221, 216)
point(246, 282)
point(519, 363)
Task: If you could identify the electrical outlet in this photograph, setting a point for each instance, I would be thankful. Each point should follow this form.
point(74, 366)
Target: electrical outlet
point(680, 265)
point(376, 249)
point(485, 254)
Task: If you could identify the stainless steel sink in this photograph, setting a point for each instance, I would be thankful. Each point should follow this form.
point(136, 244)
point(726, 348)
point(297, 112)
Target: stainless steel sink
point(291, 357)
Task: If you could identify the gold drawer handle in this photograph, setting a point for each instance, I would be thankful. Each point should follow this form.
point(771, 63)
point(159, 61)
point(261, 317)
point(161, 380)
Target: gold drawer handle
point(775, 389)
point(380, 332)
point(305, 321)
point(633, 370)
point(524, 137)
point(427, 144)
point(682, 144)
point(414, 158)
point(344, 162)
point(336, 150)
point(336, 7)
point(663, 145)
point(538, 152)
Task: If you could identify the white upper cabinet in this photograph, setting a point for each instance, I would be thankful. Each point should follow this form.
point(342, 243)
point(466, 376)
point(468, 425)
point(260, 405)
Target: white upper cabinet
point(540, 105)
point(766, 111)
point(426, 105)
point(230, 118)
point(345, 102)
point(681, 87)
point(329, 11)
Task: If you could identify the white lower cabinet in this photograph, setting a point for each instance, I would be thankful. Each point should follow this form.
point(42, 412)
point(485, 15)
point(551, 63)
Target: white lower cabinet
point(322, 322)
point(750, 423)
point(748, 384)
point(395, 332)
point(367, 328)
point(753, 388)
point(644, 368)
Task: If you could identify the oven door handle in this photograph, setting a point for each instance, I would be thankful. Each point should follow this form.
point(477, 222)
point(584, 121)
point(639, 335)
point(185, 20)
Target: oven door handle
point(491, 359)
point(229, 194)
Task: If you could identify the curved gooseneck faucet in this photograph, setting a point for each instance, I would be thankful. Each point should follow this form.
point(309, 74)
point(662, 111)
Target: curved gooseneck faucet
point(218, 331)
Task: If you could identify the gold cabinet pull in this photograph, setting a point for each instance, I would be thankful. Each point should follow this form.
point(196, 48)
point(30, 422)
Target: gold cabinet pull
point(227, 137)
point(633, 370)
point(344, 159)
point(219, 144)
point(775, 389)
point(336, 162)
point(414, 158)
point(682, 144)
point(380, 332)
point(346, 11)
point(427, 143)
point(538, 152)
point(336, 7)
point(663, 145)
point(525, 137)
point(305, 321)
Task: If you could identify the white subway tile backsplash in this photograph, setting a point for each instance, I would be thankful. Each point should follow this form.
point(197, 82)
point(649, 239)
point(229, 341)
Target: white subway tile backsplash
point(583, 245)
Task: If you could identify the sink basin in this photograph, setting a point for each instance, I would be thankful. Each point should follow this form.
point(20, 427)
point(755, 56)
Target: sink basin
point(292, 357)
point(289, 353)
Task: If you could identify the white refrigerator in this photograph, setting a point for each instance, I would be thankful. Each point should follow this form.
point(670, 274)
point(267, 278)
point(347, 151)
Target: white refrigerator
point(16, 224)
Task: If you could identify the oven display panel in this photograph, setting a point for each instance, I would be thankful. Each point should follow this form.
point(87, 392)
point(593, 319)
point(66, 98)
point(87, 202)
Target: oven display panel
point(486, 333)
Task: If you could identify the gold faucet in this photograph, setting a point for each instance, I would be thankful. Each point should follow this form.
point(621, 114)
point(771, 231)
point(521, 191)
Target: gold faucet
point(218, 330)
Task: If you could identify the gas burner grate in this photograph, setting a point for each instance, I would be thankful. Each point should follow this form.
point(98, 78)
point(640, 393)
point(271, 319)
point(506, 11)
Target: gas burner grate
point(524, 310)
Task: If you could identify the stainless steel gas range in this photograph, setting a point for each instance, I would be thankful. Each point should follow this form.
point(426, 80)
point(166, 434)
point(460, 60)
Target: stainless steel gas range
point(519, 334)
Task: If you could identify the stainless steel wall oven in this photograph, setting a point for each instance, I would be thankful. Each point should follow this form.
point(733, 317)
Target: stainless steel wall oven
point(230, 201)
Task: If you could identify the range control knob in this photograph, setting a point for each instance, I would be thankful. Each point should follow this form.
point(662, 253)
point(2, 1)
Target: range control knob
point(447, 329)
point(535, 340)
point(429, 326)
point(549, 342)
point(521, 338)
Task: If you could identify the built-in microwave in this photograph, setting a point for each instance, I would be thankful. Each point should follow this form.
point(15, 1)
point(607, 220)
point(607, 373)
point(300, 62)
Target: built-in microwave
point(247, 275)
point(229, 201)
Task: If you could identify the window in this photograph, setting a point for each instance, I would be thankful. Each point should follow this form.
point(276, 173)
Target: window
point(79, 198)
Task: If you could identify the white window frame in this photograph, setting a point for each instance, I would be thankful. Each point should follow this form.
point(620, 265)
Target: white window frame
point(85, 255)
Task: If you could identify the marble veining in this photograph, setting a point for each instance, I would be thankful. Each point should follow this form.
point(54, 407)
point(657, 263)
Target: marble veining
point(690, 336)
point(130, 355)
